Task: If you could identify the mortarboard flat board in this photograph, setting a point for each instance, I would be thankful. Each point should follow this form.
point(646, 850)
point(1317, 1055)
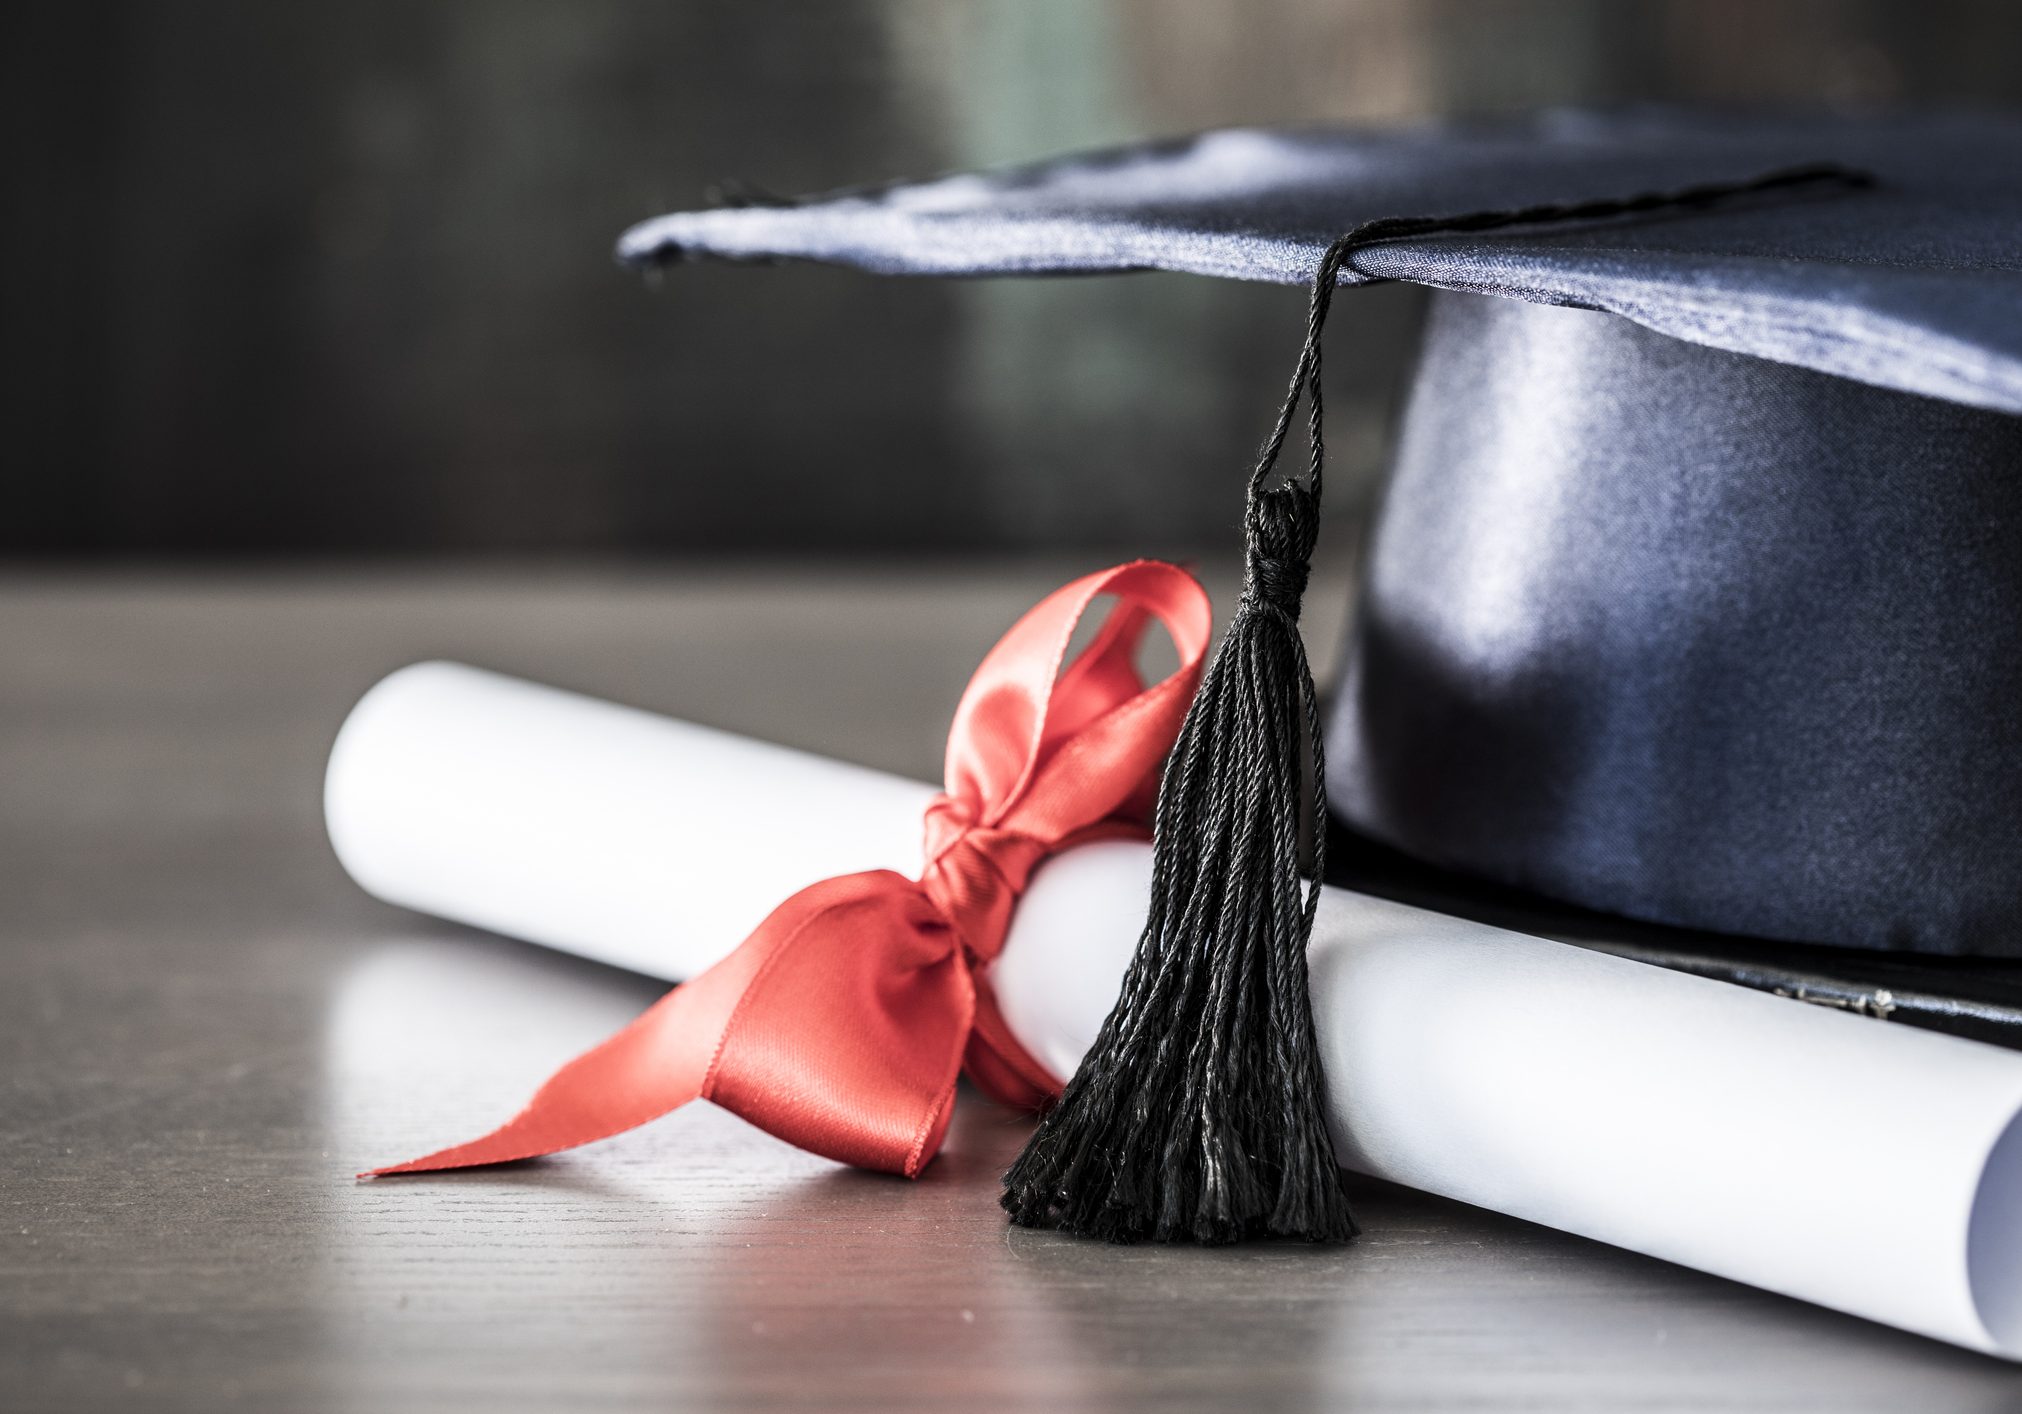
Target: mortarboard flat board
point(1695, 594)
point(1919, 289)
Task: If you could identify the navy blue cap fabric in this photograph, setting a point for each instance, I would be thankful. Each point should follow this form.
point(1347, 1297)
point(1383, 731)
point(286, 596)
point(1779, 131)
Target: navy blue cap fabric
point(1692, 637)
point(1915, 284)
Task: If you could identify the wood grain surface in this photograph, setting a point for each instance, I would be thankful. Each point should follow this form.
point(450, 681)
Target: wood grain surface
point(207, 1030)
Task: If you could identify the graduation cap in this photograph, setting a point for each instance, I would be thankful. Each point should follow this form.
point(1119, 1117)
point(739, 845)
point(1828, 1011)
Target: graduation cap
point(1694, 595)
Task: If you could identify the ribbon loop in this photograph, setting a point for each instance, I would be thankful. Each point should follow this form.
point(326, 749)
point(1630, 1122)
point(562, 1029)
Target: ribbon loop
point(842, 1022)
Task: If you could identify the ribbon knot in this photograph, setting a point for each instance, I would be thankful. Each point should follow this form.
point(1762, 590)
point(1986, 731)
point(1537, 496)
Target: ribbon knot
point(842, 1022)
point(974, 875)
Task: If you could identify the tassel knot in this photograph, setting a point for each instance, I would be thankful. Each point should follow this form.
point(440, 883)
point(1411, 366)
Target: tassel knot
point(1283, 525)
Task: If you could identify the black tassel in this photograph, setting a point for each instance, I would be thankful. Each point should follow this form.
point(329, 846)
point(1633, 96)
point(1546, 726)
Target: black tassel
point(1200, 1110)
point(1199, 1113)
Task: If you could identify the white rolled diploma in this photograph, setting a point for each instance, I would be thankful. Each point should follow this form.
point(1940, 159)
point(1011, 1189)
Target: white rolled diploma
point(1834, 1158)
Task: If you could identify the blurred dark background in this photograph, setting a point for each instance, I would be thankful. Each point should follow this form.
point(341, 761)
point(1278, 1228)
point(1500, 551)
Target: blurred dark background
point(283, 278)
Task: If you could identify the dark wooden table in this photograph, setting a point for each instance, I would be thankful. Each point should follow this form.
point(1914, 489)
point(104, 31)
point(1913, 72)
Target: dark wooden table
point(207, 1029)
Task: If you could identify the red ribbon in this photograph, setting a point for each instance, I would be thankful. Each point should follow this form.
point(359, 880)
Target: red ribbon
point(841, 1023)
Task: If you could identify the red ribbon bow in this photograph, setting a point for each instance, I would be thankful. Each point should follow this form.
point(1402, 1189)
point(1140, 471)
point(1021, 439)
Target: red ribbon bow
point(841, 1023)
